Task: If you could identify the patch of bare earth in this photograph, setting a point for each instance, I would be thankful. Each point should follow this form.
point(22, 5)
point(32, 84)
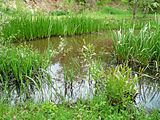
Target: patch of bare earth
point(45, 5)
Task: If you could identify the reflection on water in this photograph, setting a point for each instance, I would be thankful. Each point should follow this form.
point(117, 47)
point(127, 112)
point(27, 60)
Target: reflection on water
point(60, 89)
point(149, 94)
point(70, 48)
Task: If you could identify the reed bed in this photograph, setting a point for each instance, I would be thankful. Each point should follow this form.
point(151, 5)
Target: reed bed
point(142, 46)
point(31, 27)
point(20, 70)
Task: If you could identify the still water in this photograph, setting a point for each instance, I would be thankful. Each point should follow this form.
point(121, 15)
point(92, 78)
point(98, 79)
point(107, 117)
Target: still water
point(69, 57)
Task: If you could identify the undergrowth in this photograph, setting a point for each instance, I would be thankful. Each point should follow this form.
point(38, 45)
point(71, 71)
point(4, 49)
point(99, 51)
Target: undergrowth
point(21, 70)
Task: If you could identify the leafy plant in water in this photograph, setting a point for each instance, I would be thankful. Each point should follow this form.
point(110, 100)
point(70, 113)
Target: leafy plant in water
point(139, 47)
point(120, 86)
point(21, 70)
point(96, 71)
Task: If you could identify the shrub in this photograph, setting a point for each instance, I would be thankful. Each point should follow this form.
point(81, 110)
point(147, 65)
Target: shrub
point(120, 86)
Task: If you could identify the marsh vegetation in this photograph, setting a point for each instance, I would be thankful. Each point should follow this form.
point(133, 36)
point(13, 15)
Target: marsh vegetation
point(79, 60)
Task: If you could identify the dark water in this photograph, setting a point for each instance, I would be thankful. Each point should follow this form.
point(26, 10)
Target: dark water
point(69, 57)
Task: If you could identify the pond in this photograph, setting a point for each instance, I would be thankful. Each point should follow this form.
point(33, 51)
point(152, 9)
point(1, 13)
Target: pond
point(82, 87)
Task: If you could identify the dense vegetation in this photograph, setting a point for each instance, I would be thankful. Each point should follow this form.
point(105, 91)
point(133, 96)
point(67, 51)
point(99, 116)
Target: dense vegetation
point(23, 69)
point(20, 70)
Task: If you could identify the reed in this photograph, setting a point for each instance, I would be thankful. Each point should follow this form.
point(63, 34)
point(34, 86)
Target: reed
point(29, 27)
point(138, 46)
point(21, 70)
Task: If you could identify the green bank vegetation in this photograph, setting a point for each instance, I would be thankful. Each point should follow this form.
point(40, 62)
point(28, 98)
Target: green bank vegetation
point(138, 47)
point(22, 68)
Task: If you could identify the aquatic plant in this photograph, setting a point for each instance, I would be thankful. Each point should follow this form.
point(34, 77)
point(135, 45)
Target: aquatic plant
point(138, 46)
point(120, 86)
point(21, 70)
point(29, 27)
point(117, 83)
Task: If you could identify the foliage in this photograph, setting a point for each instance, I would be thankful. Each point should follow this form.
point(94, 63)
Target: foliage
point(120, 86)
point(59, 13)
point(111, 10)
point(21, 69)
point(117, 83)
point(98, 108)
point(30, 27)
point(148, 5)
point(141, 47)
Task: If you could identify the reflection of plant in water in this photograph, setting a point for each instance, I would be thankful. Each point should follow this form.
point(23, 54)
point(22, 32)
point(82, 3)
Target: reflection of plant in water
point(149, 92)
point(71, 73)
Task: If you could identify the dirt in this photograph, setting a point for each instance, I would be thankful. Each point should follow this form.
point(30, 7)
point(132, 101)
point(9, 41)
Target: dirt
point(46, 5)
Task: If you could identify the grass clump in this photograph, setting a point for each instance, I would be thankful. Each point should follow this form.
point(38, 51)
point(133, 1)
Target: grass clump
point(29, 27)
point(141, 46)
point(21, 70)
point(120, 86)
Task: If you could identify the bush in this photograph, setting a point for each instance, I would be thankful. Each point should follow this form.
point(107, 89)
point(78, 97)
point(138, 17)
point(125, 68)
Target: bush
point(120, 86)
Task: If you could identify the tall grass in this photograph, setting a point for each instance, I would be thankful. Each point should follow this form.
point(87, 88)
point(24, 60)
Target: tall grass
point(40, 26)
point(21, 70)
point(139, 46)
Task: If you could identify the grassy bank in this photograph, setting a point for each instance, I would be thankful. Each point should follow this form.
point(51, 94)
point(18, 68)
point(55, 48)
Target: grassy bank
point(113, 102)
point(98, 108)
point(31, 27)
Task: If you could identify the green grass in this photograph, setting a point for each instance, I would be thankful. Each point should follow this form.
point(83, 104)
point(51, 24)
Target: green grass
point(139, 46)
point(114, 11)
point(21, 68)
point(98, 108)
point(30, 27)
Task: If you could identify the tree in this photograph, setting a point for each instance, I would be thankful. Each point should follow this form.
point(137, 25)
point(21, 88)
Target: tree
point(135, 5)
point(146, 6)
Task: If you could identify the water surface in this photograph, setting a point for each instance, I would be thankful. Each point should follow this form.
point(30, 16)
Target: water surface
point(80, 86)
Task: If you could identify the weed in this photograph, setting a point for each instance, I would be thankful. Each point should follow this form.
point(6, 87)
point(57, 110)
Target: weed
point(21, 70)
